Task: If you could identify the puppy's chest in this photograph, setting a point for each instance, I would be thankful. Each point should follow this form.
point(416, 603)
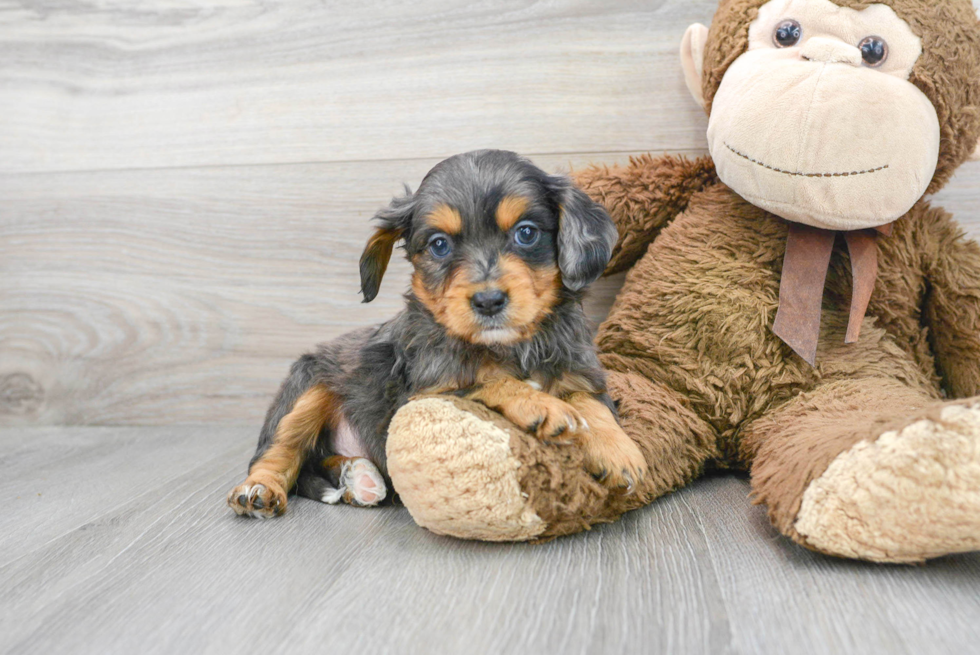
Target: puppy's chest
point(460, 373)
point(555, 380)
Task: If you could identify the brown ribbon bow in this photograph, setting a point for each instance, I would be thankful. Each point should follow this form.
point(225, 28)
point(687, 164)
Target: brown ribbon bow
point(808, 251)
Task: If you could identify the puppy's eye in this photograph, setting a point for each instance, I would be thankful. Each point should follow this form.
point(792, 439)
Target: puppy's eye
point(526, 235)
point(874, 51)
point(788, 34)
point(440, 247)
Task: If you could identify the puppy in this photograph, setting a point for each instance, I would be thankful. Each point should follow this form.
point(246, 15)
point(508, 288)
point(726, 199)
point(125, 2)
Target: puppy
point(502, 252)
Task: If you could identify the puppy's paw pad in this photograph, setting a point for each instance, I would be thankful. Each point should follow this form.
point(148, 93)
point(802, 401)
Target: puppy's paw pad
point(364, 485)
point(257, 500)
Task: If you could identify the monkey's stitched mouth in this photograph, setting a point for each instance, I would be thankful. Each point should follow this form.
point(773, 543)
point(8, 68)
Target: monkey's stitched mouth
point(801, 174)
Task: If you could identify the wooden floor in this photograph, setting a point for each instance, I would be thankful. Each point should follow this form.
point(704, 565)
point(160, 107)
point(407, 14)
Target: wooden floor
point(185, 189)
point(117, 540)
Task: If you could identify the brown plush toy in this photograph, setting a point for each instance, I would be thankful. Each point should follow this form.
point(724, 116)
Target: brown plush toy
point(794, 307)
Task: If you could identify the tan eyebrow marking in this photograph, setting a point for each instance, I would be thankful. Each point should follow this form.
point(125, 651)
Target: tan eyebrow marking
point(779, 170)
point(445, 219)
point(510, 210)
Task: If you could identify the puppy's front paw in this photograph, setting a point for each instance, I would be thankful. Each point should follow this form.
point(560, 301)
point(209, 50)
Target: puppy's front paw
point(614, 459)
point(262, 500)
point(548, 417)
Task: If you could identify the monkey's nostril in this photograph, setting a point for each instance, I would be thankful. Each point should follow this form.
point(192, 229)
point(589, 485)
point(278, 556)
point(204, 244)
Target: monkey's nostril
point(489, 303)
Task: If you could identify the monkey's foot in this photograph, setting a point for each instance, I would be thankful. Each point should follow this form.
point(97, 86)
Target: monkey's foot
point(910, 495)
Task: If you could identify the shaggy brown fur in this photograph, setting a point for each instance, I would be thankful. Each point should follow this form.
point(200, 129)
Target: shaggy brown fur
point(646, 196)
point(695, 335)
point(701, 380)
point(696, 327)
point(841, 413)
point(698, 374)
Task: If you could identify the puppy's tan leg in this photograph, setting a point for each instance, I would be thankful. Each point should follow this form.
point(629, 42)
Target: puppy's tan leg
point(271, 477)
point(610, 454)
point(539, 413)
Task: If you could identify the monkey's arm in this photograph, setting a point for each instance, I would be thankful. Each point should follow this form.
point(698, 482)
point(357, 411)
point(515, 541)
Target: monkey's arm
point(643, 197)
point(952, 304)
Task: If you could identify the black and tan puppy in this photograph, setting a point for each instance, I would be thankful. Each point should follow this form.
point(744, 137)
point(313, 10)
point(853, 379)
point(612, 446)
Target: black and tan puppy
point(502, 252)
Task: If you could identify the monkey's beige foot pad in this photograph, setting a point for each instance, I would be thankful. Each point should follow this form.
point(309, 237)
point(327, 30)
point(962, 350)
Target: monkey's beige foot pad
point(911, 495)
point(457, 475)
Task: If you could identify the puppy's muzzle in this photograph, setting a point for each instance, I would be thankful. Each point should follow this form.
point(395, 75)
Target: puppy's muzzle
point(489, 303)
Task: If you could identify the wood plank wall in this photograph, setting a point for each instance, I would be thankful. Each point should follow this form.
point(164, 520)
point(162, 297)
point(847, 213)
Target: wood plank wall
point(184, 191)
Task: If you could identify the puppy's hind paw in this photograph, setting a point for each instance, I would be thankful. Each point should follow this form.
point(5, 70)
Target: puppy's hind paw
point(353, 480)
point(364, 486)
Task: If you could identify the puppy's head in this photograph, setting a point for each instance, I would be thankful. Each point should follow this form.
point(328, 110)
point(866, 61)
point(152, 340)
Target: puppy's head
point(494, 240)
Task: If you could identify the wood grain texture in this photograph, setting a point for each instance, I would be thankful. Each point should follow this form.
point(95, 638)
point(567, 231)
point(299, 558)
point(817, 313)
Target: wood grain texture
point(185, 189)
point(57, 481)
point(817, 604)
point(175, 296)
point(117, 84)
point(167, 568)
point(120, 85)
point(180, 294)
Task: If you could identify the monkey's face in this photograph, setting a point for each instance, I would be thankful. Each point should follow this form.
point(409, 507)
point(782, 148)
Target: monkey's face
point(818, 123)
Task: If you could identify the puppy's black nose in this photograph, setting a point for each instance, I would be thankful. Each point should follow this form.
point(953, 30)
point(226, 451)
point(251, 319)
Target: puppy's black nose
point(489, 303)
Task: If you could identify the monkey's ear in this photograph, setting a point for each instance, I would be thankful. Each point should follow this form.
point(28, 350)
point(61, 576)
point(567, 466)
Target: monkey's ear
point(692, 59)
point(975, 155)
point(586, 235)
point(395, 223)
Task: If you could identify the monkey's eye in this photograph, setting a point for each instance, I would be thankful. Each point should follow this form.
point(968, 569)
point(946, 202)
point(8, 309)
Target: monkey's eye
point(440, 246)
point(526, 235)
point(874, 51)
point(788, 34)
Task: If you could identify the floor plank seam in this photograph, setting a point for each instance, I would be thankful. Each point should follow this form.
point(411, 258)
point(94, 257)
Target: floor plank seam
point(130, 501)
point(335, 162)
point(715, 572)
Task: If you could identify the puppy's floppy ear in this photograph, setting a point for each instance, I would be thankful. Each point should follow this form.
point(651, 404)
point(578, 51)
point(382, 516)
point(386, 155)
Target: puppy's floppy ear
point(586, 235)
point(395, 220)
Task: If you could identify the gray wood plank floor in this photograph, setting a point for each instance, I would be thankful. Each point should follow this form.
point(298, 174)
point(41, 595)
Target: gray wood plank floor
point(117, 540)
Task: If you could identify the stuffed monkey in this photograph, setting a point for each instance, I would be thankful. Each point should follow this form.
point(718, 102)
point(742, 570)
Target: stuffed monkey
point(793, 307)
